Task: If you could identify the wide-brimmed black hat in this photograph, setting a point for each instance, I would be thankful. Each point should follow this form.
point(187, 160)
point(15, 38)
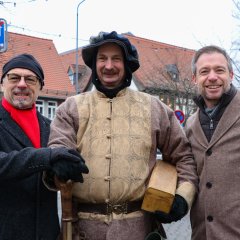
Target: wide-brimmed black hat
point(131, 54)
point(26, 61)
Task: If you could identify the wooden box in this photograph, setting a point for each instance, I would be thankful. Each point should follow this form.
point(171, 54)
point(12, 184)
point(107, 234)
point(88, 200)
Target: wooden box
point(161, 188)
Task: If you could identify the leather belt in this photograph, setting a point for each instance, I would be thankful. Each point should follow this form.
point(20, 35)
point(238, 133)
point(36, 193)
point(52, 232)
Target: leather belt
point(108, 208)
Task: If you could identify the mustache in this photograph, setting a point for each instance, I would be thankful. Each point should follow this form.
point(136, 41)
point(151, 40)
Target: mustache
point(112, 71)
point(21, 91)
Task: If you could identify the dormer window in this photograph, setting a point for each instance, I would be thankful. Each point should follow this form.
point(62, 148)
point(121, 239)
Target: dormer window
point(71, 76)
point(173, 72)
point(72, 72)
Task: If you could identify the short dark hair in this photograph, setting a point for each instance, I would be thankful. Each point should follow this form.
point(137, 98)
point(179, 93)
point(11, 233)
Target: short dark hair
point(210, 49)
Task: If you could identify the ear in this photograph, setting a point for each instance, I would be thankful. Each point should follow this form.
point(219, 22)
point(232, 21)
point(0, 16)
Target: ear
point(231, 75)
point(2, 81)
point(194, 79)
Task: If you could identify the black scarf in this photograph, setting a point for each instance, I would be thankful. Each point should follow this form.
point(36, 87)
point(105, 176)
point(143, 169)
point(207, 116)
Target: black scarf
point(210, 120)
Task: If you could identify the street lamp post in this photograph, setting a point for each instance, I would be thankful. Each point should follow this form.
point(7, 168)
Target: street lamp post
point(76, 79)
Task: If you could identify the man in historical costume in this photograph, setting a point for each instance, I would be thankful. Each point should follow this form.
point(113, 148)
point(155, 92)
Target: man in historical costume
point(117, 131)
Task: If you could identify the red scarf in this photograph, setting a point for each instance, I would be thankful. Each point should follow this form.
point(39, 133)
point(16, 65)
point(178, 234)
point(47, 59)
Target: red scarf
point(27, 120)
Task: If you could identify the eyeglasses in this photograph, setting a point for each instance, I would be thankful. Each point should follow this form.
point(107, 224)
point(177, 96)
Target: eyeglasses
point(15, 79)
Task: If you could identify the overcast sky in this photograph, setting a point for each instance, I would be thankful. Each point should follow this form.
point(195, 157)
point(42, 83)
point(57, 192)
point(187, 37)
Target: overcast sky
point(184, 23)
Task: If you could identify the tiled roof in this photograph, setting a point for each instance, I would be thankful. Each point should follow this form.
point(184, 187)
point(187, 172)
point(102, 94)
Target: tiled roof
point(154, 58)
point(57, 82)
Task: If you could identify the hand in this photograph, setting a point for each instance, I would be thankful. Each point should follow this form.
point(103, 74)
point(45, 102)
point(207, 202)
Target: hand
point(67, 164)
point(179, 210)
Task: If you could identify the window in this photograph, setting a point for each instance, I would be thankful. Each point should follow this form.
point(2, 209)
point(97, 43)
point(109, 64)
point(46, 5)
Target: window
point(71, 76)
point(40, 106)
point(52, 106)
point(173, 72)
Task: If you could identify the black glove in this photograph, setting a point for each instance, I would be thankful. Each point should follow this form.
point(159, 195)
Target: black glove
point(179, 210)
point(67, 164)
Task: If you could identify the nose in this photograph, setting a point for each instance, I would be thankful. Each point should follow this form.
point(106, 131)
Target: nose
point(212, 75)
point(109, 64)
point(22, 82)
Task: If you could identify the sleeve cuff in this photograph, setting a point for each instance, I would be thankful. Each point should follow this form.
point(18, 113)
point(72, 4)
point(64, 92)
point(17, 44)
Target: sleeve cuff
point(48, 180)
point(187, 191)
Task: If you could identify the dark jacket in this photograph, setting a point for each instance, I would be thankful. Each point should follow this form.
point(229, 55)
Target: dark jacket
point(28, 210)
point(209, 122)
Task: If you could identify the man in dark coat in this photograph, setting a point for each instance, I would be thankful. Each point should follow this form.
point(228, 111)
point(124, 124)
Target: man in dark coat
point(28, 210)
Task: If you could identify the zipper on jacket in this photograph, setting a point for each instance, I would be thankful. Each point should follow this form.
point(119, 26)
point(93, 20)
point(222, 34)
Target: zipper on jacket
point(211, 124)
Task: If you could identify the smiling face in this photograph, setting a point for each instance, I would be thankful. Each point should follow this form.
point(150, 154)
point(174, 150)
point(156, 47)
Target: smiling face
point(110, 65)
point(19, 94)
point(212, 77)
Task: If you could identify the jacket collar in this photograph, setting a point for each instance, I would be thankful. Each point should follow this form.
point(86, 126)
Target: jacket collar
point(229, 117)
point(13, 129)
point(224, 101)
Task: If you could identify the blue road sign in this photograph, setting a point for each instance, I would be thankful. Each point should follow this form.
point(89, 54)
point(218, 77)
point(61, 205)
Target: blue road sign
point(3, 34)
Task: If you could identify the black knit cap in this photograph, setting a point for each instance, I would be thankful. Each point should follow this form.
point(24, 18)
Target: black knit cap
point(130, 52)
point(26, 61)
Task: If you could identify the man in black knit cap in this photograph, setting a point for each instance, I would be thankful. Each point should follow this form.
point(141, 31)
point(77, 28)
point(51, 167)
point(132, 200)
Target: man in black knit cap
point(28, 210)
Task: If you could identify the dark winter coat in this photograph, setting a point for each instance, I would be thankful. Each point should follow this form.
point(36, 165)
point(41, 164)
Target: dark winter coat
point(28, 210)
